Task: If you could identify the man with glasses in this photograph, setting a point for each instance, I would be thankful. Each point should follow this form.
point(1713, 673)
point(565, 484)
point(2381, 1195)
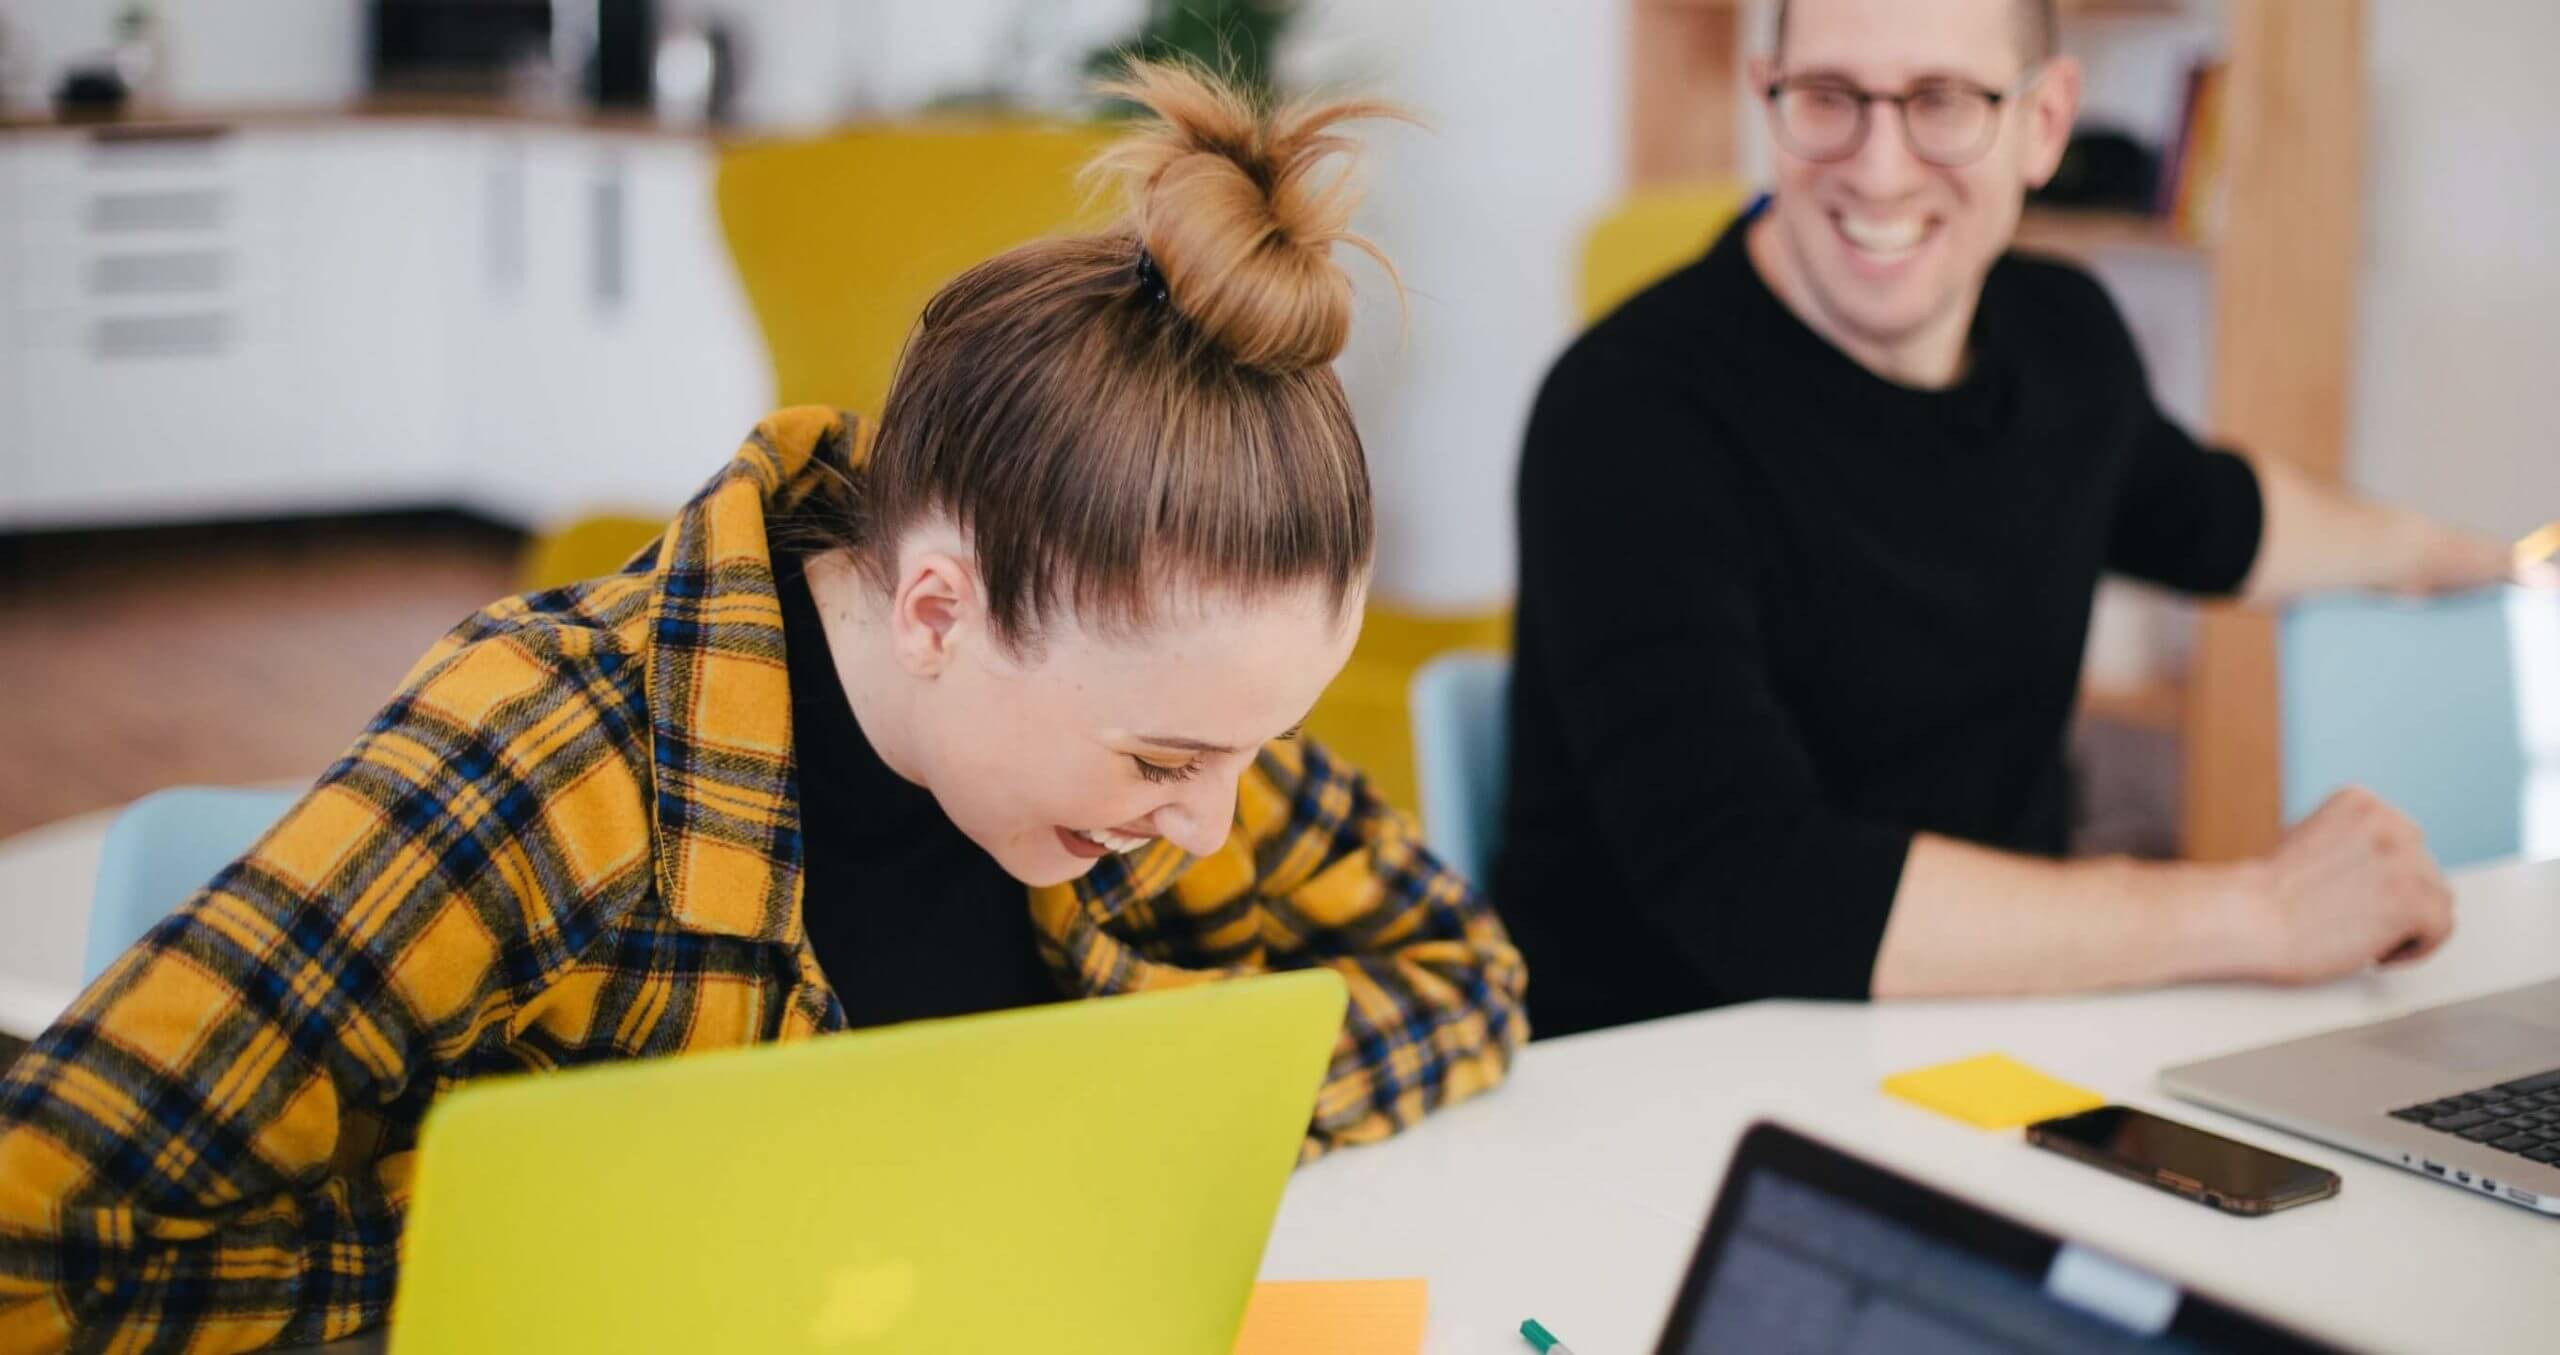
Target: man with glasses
point(1809, 536)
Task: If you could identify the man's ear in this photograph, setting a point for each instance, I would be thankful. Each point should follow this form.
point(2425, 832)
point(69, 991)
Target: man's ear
point(937, 601)
point(2052, 106)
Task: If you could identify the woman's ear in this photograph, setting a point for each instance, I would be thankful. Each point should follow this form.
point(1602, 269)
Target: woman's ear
point(937, 602)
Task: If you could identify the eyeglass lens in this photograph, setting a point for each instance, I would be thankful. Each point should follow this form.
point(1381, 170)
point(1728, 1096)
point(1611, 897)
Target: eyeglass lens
point(1943, 124)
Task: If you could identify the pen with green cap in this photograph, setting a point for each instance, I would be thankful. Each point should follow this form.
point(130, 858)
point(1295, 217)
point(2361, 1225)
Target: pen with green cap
point(1542, 1340)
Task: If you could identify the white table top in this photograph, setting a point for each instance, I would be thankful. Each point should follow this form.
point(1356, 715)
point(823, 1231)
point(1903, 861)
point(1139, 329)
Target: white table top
point(1575, 1193)
point(46, 877)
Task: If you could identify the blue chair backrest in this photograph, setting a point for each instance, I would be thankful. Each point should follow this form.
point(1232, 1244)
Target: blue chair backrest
point(2447, 708)
point(160, 851)
point(1461, 754)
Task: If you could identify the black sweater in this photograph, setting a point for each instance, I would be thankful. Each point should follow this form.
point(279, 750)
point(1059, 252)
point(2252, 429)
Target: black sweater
point(909, 918)
point(1777, 613)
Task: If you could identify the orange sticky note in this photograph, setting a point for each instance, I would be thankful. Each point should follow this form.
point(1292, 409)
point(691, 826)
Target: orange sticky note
point(1991, 1091)
point(1339, 1317)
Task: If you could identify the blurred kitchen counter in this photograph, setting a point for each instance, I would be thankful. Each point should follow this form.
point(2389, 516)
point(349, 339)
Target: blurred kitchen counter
point(377, 108)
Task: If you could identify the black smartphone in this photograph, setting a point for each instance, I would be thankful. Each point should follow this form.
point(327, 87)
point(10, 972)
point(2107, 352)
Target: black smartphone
point(2225, 1173)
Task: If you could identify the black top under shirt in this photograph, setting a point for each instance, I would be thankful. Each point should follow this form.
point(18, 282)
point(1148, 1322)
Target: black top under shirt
point(909, 918)
point(1777, 613)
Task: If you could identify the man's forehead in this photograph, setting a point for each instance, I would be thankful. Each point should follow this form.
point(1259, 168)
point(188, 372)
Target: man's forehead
point(1901, 40)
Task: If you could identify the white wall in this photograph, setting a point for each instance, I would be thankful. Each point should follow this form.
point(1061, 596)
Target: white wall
point(221, 53)
point(2457, 395)
point(1482, 213)
point(2458, 311)
point(807, 63)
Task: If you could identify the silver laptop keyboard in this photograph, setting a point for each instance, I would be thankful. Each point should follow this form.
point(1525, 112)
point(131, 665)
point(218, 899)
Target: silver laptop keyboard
point(2520, 1117)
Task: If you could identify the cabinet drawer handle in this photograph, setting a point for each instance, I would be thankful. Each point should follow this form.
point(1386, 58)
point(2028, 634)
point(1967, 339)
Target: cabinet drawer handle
point(179, 273)
point(610, 255)
point(199, 334)
point(172, 209)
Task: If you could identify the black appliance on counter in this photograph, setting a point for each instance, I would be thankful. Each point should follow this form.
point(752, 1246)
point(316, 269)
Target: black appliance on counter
point(472, 48)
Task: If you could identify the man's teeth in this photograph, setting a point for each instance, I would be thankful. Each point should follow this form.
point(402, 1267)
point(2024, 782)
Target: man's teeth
point(1111, 841)
point(1884, 237)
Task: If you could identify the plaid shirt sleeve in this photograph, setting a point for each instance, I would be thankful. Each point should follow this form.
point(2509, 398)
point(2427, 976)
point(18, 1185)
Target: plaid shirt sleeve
point(1436, 985)
point(209, 1150)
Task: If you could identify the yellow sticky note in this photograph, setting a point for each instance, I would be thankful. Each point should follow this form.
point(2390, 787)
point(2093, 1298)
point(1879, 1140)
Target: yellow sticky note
point(1991, 1091)
point(1339, 1317)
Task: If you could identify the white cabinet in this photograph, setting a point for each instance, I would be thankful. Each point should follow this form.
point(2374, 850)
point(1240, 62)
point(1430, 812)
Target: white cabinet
point(518, 337)
point(698, 377)
point(533, 321)
point(145, 310)
point(608, 359)
point(375, 230)
point(13, 404)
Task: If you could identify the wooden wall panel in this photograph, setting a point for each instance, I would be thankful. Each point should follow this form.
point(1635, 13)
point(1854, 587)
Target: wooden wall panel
point(2284, 325)
point(1685, 59)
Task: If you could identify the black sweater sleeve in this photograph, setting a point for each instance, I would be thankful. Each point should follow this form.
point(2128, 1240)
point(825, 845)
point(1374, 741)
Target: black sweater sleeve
point(1635, 560)
point(2187, 516)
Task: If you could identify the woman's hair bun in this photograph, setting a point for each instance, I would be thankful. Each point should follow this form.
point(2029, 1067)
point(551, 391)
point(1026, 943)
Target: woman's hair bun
point(1240, 210)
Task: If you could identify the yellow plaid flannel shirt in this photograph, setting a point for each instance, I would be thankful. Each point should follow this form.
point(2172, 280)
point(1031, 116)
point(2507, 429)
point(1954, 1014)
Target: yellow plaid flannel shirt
point(572, 837)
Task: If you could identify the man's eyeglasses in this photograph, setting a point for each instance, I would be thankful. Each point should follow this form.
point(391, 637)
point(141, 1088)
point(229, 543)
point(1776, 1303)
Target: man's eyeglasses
point(1947, 123)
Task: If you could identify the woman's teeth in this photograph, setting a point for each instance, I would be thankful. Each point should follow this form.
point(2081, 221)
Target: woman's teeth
point(1111, 841)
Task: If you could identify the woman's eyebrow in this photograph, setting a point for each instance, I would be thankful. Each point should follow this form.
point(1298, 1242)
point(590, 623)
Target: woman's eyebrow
point(1203, 745)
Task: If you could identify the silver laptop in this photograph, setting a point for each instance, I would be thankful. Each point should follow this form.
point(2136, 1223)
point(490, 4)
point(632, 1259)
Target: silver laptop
point(2468, 1093)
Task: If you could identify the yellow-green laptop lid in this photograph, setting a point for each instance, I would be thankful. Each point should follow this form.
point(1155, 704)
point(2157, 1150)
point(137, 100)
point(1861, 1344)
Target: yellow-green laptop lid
point(1093, 1176)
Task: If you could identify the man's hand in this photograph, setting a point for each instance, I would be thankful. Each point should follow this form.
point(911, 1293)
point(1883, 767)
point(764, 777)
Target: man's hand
point(2319, 537)
point(2350, 886)
point(2446, 561)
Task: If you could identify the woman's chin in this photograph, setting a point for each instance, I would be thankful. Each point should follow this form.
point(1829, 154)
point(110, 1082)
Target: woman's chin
point(1044, 866)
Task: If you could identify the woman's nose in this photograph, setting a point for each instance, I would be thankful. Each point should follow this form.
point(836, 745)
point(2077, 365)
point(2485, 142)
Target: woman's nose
point(1198, 822)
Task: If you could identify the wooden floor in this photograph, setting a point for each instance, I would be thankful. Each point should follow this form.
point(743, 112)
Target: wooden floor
point(133, 660)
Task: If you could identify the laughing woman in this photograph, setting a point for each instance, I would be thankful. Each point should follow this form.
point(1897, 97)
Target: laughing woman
point(994, 704)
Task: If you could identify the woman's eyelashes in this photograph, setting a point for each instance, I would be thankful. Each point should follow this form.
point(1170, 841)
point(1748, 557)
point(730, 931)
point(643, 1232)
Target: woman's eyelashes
point(1160, 774)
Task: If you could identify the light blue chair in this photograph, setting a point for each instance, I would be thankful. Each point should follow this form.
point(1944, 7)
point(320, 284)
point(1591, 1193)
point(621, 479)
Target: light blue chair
point(1461, 753)
point(160, 851)
point(2447, 708)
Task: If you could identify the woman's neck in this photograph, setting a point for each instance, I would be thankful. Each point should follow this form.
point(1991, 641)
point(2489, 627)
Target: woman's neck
point(858, 645)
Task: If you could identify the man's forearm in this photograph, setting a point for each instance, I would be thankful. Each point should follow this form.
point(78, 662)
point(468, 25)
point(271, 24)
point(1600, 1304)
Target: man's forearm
point(2318, 536)
point(1972, 920)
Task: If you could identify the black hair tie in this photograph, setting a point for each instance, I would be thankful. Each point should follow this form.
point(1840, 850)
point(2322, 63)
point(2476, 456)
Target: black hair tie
point(1151, 278)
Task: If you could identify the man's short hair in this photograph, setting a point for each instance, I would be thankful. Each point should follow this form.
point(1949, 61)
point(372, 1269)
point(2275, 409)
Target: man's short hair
point(2037, 30)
